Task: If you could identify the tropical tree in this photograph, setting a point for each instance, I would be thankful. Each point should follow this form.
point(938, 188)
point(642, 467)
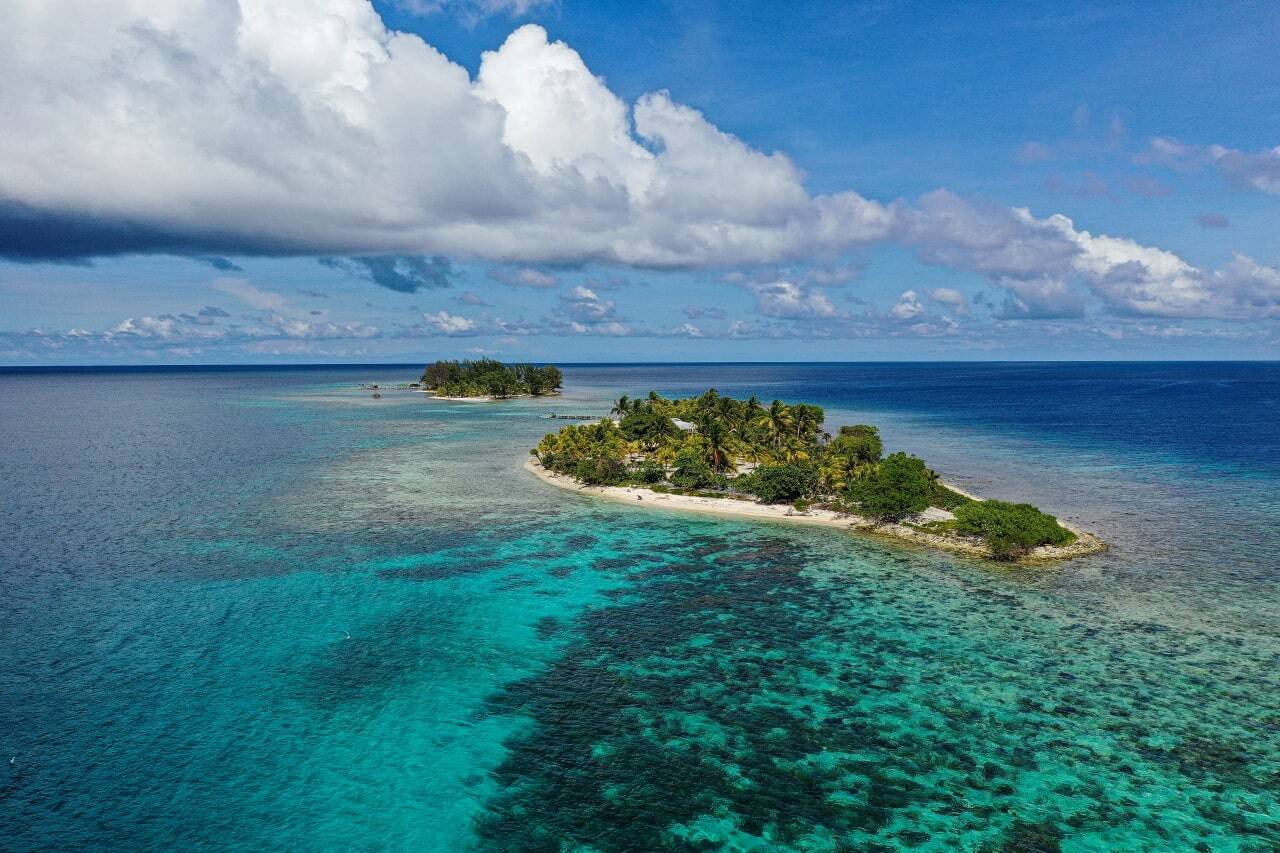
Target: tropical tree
point(785, 483)
point(898, 487)
point(776, 423)
point(691, 469)
point(860, 444)
point(622, 406)
point(808, 420)
point(717, 443)
point(648, 427)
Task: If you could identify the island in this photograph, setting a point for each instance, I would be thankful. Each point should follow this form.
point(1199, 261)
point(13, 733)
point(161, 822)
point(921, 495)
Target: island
point(487, 379)
point(717, 454)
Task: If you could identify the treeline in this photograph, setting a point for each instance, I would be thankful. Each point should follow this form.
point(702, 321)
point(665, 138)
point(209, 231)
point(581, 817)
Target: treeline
point(486, 377)
point(779, 453)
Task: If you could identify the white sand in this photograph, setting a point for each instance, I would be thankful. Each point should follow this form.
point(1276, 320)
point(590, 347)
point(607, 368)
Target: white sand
point(1085, 543)
point(470, 399)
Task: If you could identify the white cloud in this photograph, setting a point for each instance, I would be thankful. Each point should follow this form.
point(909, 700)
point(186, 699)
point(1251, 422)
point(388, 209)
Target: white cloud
point(1259, 170)
point(307, 127)
point(290, 327)
point(786, 299)
point(908, 306)
point(587, 312)
point(449, 324)
point(950, 297)
point(1043, 263)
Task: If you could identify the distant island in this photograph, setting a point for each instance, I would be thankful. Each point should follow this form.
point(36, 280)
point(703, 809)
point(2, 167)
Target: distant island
point(717, 454)
point(487, 379)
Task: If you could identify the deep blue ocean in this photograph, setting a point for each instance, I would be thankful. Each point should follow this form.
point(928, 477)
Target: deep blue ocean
point(258, 609)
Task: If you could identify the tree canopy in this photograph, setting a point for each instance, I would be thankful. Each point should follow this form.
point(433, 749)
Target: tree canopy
point(489, 378)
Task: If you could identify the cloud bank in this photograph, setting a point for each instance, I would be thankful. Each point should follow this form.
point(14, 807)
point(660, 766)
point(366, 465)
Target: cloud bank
point(306, 127)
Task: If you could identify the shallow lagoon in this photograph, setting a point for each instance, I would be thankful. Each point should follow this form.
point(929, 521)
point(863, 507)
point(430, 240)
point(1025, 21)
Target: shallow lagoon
point(261, 610)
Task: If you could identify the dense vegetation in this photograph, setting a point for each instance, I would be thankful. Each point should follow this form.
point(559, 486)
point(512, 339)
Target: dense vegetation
point(1011, 529)
point(488, 378)
point(778, 454)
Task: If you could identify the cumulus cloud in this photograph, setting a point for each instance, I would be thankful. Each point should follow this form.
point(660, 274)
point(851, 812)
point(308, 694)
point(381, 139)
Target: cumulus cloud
point(449, 324)
point(789, 300)
point(307, 127)
point(908, 306)
point(951, 298)
point(587, 312)
point(1043, 263)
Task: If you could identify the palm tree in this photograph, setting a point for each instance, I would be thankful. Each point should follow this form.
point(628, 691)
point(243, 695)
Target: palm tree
point(776, 422)
point(656, 428)
point(808, 419)
point(718, 444)
point(621, 406)
point(750, 410)
point(794, 450)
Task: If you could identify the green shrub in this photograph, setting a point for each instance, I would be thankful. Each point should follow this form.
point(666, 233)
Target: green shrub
point(600, 471)
point(693, 472)
point(898, 487)
point(1011, 529)
point(780, 484)
point(941, 496)
point(802, 505)
point(646, 472)
point(859, 443)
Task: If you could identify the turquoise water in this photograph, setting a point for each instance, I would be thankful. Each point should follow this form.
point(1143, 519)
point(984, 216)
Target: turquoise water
point(259, 610)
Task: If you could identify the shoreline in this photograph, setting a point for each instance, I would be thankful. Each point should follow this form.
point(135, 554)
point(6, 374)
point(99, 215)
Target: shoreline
point(486, 398)
point(1086, 543)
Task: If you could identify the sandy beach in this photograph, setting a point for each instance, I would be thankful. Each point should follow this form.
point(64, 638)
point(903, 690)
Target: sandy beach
point(1086, 543)
point(485, 399)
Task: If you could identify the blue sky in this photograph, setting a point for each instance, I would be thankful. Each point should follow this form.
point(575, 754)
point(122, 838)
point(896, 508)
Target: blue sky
point(304, 182)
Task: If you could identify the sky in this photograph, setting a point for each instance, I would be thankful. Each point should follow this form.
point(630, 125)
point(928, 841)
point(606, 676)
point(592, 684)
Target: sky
point(345, 181)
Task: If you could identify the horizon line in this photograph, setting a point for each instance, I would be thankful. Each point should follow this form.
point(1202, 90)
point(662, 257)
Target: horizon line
point(15, 368)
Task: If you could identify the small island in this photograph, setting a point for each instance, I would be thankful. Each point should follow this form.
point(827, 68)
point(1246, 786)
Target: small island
point(717, 454)
point(487, 379)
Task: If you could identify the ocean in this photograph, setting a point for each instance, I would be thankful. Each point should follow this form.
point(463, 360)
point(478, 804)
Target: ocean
point(257, 609)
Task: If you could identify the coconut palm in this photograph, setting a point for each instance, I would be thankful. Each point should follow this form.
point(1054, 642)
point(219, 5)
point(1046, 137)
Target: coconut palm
point(776, 422)
point(808, 419)
point(622, 406)
point(717, 444)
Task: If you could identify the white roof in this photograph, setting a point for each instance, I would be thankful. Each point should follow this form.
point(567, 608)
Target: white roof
point(684, 425)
